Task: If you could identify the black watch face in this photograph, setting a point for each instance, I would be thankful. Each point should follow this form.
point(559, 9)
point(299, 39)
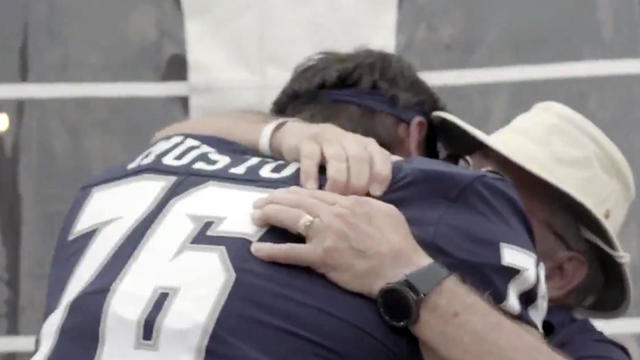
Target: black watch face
point(397, 305)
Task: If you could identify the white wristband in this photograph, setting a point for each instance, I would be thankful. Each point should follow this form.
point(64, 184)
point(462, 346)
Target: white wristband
point(264, 144)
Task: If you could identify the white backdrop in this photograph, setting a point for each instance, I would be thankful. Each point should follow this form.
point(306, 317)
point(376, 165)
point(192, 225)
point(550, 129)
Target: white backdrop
point(241, 52)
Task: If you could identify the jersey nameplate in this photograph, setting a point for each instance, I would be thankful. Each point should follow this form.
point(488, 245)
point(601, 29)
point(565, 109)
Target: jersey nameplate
point(182, 151)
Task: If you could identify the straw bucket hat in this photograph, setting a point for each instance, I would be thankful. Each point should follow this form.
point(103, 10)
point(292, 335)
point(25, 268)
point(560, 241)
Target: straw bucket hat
point(566, 150)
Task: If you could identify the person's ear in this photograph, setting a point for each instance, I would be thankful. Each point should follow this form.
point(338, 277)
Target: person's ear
point(402, 148)
point(417, 135)
point(564, 273)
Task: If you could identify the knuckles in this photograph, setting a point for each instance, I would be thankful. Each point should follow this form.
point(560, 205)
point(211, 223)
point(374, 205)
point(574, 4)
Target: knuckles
point(360, 155)
point(337, 217)
point(372, 144)
point(330, 250)
point(355, 202)
point(325, 131)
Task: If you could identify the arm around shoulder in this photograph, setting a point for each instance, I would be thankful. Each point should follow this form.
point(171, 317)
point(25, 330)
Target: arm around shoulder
point(242, 127)
point(456, 323)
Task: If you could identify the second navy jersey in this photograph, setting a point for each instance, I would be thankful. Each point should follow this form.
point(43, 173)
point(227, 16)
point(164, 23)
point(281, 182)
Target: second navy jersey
point(578, 338)
point(153, 261)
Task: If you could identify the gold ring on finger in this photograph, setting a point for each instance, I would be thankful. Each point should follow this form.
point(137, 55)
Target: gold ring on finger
point(305, 223)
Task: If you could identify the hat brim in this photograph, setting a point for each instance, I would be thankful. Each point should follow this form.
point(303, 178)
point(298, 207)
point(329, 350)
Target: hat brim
point(461, 138)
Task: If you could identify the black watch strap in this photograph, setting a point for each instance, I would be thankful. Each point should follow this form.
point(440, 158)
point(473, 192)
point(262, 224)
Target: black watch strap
point(399, 302)
point(427, 277)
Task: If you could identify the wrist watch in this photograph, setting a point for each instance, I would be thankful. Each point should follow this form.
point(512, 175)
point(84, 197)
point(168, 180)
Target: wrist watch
point(399, 302)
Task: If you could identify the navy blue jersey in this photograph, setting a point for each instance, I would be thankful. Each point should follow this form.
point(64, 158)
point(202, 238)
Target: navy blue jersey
point(578, 338)
point(153, 261)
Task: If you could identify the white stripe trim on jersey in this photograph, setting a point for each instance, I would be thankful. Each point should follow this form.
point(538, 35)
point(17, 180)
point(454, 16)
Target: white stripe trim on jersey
point(437, 78)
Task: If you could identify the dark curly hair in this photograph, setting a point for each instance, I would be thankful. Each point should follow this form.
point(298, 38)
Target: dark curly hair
point(364, 69)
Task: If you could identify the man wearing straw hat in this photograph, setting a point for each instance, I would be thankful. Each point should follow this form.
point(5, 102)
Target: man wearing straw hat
point(560, 162)
point(554, 156)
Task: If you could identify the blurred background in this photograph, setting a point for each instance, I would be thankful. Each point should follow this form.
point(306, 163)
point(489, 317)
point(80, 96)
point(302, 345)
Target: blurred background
point(85, 83)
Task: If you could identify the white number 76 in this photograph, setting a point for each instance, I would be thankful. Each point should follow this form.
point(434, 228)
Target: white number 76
point(185, 284)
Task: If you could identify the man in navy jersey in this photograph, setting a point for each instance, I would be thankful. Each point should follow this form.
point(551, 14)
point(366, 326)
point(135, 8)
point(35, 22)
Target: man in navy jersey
point(153, 260)
point(575, 337)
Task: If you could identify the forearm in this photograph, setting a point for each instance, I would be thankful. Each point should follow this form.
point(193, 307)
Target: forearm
point(241, 127)
point(456, 323)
